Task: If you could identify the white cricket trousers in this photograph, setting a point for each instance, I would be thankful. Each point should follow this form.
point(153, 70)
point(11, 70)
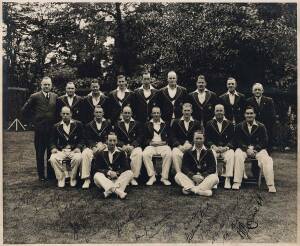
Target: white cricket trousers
point(228, 157)
point(177, 156)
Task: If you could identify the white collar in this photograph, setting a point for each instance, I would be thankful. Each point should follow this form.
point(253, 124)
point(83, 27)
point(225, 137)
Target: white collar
point(259, 98)
point(254, 123)
point(70, 97)
point(131, 119)
point(45, 93)
point(103, 119)
point(151, 87)
point(224, 118)
point(116, 149)
point(235, 93)
point(205, 90)
point(169, 88)
point(191, 119)
point(62, 123)
point(126, 90)
point(90, 94)
point(203, 147)
point(160, 121)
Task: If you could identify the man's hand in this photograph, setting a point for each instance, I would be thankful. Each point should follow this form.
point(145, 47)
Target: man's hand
point(112, 174)
point(100, 146)
point(54, 151)
point(95, 150)
point(223, 149)
point(181, 147)
point(187, 146)
point(215, 148)
point(130, 148)
point(76, 150)
point(197, 178)
point(250, 152)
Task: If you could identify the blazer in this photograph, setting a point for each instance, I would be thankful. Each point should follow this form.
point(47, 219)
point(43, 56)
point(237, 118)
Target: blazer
point(206, 164)
point(40, 110)
point(102, 164)
point(203, 112)
point(165, 132)
point(235, 111)
point(165, 102)
point(115, 105)
point(258, 137)
point(180, 134)
point(75, 107)
point(60, 139)
point(134, 136)
point(92, 135)
point(87, 108)
point(142, 106)
point(214, 137)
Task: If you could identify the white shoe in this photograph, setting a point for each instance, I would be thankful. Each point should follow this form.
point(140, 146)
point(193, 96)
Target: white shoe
point(121, 194)
point(134, 182)
point(73, 182)
point(236, 186)
point(151, 180)
point(61, 183)
point(204, 192)
point(227, 184)
point(107, 193)
point(272, 189)
point(86, 184)
point(187, 190)
point(165, 181)
point(215, 187)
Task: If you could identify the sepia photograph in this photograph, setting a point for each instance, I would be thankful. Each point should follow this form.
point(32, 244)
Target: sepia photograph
point(149, 122)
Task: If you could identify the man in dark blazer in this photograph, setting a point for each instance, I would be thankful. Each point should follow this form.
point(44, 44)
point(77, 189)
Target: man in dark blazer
point(41, 109)
point(182, 135)
point(198, 174)
point(144, 99)
point(119, 98)
point(251, 140)
point(111, 170)
point(264, 109)
point(157, 138)
point(203, 101)
point(95, 135)
point(71, 100)
point(219, 135)
point(130, 140)
point(96, 97)
point(171, 98)
point(234, 102)
point(66, 144)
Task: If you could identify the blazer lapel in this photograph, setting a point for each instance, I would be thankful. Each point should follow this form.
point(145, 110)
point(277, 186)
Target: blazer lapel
point(225, 124)
point(181, 125)
point(121, 125)
point(178, 92)
point(207, 97)
point(115, 156)
point(131, 126)
point(72, 128)
point(245, 128)
point(195, 96)
point(254, 129)
point(62, 132)
point(215, 126)
point(90, 101)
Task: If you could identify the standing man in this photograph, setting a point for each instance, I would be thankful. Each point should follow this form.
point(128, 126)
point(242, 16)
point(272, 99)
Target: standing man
point(41, 109)
point(234, 102)
point(198, 174)
point(157, 135)
point(111, 170)
point(70, 100)
point(144, 99)
point(203, 101)
point(96, 133)
point(96, 97)
point(264, 109)
point(219, 135)
point(251, 140)
point(66, 144)
point(130, 136)
point(171, 98)
point(119, 98)
point(182, 135)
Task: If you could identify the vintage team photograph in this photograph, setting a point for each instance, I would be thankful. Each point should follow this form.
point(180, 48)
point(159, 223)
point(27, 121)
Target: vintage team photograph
point(161, 122)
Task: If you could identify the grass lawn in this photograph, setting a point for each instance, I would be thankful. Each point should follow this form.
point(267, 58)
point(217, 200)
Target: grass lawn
point(36, 212)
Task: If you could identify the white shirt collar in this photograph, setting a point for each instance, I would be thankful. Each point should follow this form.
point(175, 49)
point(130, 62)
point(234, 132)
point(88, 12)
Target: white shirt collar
point(169, 88)
point(191, 119)
point(205, 90)
point(254, 123)
point(131, 119)
point(235, 93)
point(45, 93)
point(116, 149)
point(160, 121)
point(203, 147)
point(61, 122)
point(126, 90)
point(224, 118)
point(69, 97)
point(151, 87)
point(91, 94)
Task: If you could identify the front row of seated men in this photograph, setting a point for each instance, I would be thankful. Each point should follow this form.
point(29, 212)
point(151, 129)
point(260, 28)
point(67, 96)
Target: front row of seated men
point(73, 145)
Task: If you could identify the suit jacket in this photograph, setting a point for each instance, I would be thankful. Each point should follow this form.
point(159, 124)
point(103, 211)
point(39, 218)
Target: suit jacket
point(165, 132)
point(103, 165)
point(223, 138)
point(60, 139)
point(142, 106)
point(41, 111)
point(205, 166)
point(236, 110)
point(165, 102)
point(87, 108)
point(134, 136)
point(180, 134)
point(75, 107)
point(203, 112)
point(258, 137)
point(116, 106)
point(93, 135)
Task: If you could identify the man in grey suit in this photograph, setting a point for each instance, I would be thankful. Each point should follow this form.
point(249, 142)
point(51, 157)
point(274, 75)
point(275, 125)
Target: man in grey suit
point(41, 109)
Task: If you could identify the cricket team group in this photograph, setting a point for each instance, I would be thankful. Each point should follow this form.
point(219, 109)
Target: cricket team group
point(106, 138)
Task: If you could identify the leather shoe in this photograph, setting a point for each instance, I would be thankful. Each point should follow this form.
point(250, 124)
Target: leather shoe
point(151, 181)
point(236, 186)
point(227, 184)
point(134, 182)
point(86, 184)
point(73, 182)
point(61, 183)
point(272, 189)
point(165, 182)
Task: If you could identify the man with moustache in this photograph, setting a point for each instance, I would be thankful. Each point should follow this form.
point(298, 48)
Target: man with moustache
point(96, 133)
point(41, 109)
point(234, 102)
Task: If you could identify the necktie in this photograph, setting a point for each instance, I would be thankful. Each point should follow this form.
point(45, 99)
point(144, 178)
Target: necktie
point(47, 96)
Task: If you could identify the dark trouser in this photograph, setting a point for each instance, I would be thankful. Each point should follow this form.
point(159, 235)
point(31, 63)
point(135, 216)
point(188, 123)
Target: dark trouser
point(41, 142)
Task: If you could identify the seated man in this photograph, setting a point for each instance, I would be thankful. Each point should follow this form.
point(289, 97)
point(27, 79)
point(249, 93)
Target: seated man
point(182, 135)
point(130, 138)
point(219, 133)
point(157, 133)
point(111, 171)
point(198, 169)
point(95, 135)
point(251, 140)
point(66, 144)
